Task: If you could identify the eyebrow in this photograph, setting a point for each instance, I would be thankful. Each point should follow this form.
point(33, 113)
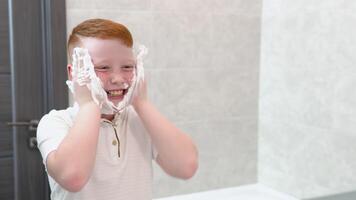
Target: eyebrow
point(124, 62)
point(130, 61)
point(100, 62)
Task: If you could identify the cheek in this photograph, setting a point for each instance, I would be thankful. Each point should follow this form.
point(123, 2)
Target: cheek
point(102, 76)
point(129, 76)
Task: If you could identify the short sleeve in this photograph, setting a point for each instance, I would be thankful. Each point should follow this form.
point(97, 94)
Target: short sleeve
point(51, 130)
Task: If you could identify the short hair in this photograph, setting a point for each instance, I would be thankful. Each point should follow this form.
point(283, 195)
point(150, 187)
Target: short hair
point(98, 28)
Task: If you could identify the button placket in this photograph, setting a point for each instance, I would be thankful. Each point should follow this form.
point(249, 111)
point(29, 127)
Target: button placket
point(116, 139)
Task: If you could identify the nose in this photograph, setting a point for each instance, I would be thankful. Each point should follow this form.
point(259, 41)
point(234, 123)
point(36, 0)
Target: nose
point(116, 78)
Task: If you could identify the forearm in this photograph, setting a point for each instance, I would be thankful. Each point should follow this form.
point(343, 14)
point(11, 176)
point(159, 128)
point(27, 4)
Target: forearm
point(177, 154)
point(75, 156)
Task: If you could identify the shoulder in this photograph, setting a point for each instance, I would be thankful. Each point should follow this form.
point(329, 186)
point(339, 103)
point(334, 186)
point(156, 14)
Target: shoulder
point(64, 116)
point(57, 119)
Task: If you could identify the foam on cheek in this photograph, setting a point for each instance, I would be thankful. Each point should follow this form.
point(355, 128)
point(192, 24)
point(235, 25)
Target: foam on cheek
point(95, 85)
point(125, 86)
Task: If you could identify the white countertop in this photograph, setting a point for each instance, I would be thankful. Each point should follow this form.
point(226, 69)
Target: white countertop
point(248, 192)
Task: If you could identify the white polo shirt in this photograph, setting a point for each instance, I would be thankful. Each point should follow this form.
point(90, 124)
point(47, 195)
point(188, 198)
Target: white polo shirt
point(114, 177)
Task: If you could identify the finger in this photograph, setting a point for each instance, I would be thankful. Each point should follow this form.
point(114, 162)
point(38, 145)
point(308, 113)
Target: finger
point(89, 67)
point(74, 64)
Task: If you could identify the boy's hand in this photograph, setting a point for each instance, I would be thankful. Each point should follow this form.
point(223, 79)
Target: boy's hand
point(140, 95)
point(140, 87)
point(82, 94)
point(81, 80)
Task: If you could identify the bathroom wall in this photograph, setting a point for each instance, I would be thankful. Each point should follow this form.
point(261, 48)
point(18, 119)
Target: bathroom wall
point(306, 105)
point(202, 71)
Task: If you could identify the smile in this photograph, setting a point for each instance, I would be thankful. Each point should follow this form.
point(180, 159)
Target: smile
point(116, 93)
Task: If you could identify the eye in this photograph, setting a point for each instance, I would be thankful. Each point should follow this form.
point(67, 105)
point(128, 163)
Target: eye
point(102, 68)
point(128, 67)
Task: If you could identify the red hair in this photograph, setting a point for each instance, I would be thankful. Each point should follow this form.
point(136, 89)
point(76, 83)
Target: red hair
point(99, 28)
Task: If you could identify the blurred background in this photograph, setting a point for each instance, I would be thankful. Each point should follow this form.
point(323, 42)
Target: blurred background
point(264, 87)
point(202, 70)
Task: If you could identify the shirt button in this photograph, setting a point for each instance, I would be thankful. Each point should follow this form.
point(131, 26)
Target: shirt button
point(114, 142)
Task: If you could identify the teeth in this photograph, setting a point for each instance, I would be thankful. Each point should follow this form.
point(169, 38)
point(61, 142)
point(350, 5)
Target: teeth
point(115, 92)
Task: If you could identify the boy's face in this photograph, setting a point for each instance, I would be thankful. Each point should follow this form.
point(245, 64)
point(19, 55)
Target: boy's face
point(114, 64)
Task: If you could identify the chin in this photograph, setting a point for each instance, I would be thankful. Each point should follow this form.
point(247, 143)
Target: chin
point(116, 100)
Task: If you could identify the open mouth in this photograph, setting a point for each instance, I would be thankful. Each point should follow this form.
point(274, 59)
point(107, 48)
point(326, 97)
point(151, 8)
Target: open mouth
point(116, 93)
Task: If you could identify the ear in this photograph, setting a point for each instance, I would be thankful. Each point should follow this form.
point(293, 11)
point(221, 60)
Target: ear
point(69, 71)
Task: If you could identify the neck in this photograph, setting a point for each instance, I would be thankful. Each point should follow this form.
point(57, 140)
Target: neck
point(108, 117)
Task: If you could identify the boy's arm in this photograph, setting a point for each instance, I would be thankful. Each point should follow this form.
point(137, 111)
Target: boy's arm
point(72, 162)
point(177, 154)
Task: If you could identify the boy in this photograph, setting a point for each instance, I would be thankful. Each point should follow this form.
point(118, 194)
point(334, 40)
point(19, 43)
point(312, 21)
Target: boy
point(91, 155)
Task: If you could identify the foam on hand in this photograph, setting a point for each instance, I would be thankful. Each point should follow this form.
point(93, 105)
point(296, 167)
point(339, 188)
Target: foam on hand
point(83, 72)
